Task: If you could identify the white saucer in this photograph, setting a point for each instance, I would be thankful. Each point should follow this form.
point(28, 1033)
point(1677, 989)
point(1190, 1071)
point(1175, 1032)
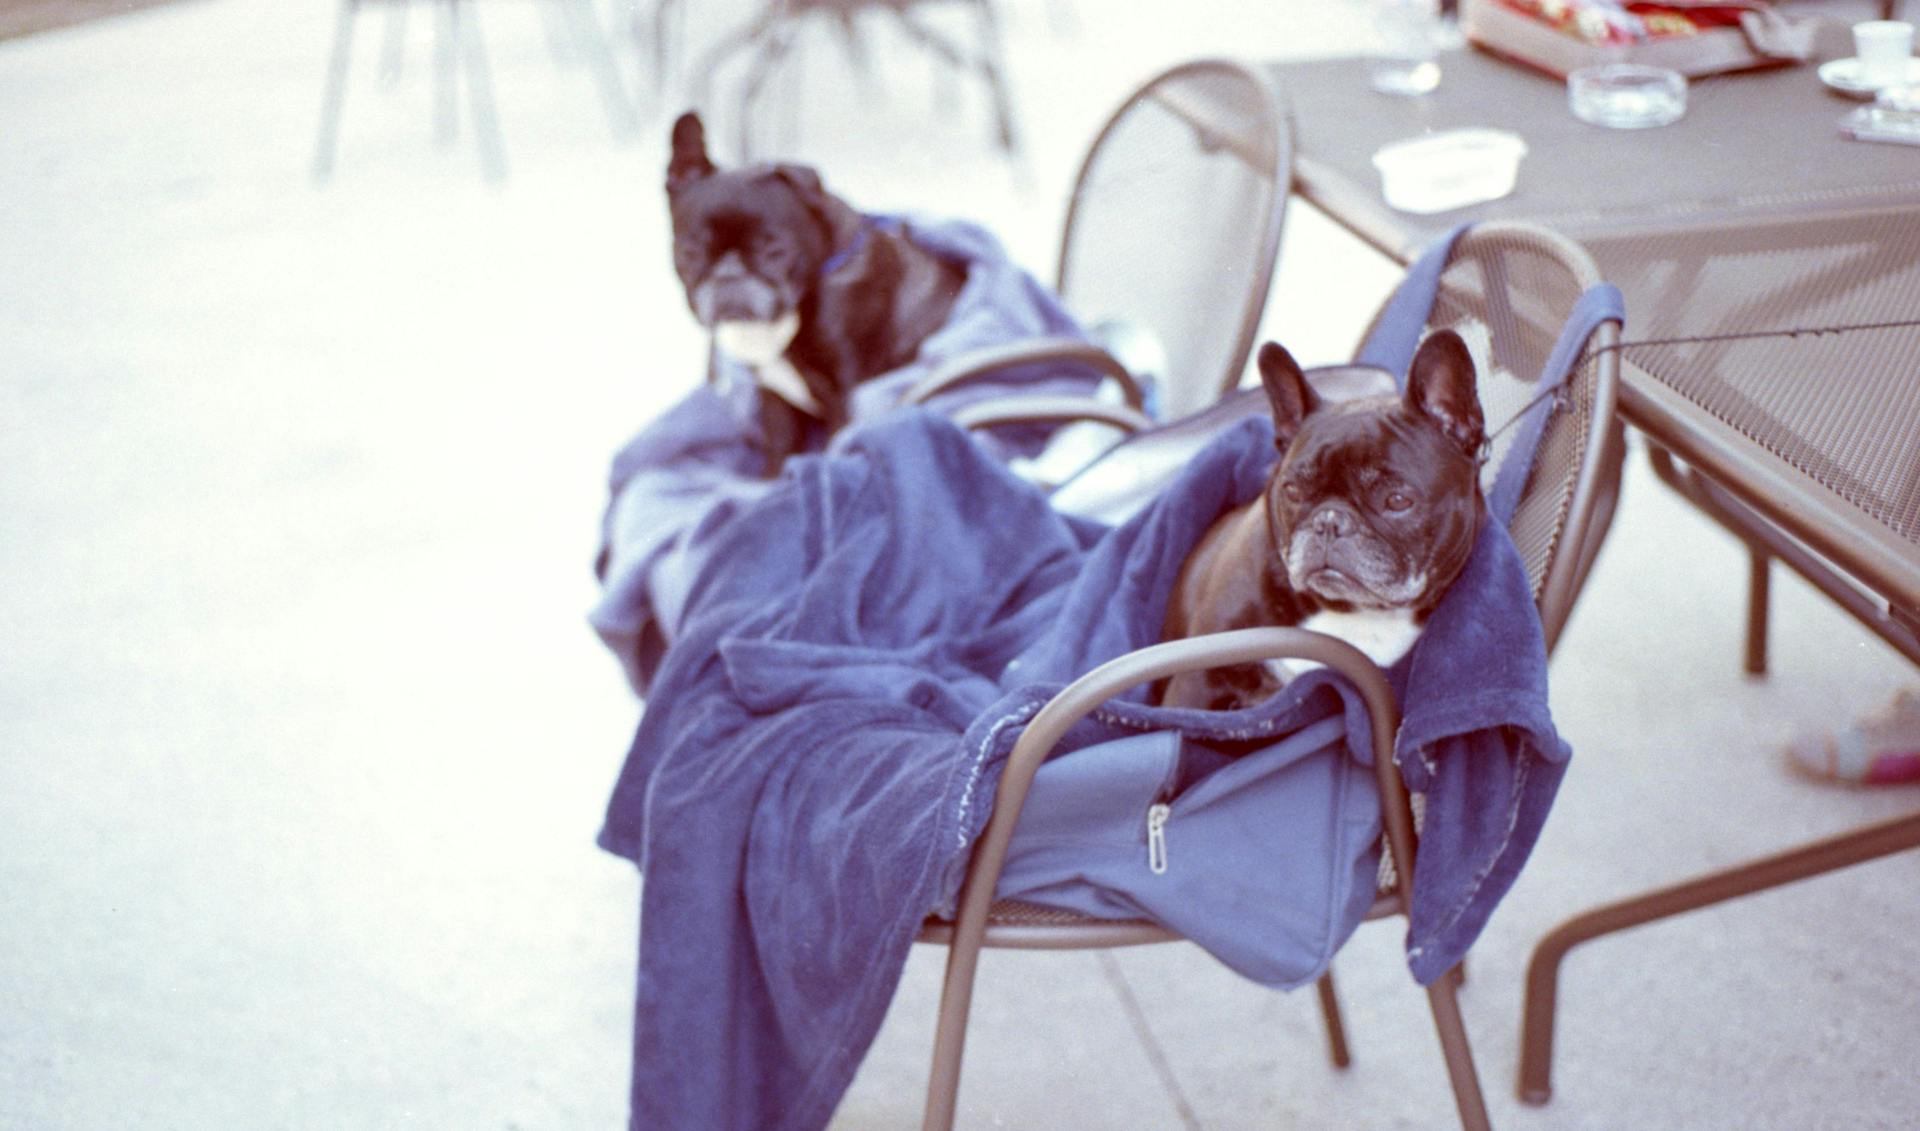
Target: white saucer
point(1844, 76)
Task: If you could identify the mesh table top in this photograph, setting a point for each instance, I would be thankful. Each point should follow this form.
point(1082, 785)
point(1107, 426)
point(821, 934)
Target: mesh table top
point(1771, 270)
point(1757, 146)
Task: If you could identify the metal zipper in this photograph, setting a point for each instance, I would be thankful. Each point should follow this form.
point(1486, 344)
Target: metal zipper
point(1157, 815)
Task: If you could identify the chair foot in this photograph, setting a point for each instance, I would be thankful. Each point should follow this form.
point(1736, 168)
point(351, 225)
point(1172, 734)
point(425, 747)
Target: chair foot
point(1336, 1026)
point(1458, 1052)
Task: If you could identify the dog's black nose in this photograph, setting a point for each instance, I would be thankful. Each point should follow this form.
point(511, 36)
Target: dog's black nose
point(1335, 522)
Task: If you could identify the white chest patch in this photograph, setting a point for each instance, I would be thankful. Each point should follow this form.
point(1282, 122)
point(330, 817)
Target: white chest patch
point(762, 346)
point(1383, 635)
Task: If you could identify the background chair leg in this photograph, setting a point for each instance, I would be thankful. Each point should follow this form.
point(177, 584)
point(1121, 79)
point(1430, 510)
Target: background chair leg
point(1336, 1027)
point(669, 20)
point(393, 45)
point(1459, 1055)
point(991, 56)
point(335, 95)
point(472, 53)
point(773, 50)
point(446, 73)
point(590, 40)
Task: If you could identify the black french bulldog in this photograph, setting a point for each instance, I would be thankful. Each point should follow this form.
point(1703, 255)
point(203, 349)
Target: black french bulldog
point(794, 283)
point(1369, 515)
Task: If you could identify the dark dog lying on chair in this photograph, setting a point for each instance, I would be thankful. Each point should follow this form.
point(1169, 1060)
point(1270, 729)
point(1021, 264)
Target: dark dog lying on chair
point(795, 284)
point(1368, 516)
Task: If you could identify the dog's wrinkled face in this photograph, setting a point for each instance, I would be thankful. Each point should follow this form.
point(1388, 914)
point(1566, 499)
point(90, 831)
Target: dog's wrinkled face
point(1376, 502)
point(746, 242)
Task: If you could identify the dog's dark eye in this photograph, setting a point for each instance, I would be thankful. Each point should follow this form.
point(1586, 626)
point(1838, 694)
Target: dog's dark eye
point(1294, 492)
point(1398, 501)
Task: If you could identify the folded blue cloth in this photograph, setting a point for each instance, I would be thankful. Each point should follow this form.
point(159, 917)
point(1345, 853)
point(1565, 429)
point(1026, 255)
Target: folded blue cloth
point(822, 743)
point(692, 470)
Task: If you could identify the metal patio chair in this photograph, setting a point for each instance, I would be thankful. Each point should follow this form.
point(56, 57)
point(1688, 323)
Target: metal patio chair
point(1507, 289)
point(1168, 247)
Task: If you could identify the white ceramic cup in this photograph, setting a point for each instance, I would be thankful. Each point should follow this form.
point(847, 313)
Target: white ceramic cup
point(1883, 48)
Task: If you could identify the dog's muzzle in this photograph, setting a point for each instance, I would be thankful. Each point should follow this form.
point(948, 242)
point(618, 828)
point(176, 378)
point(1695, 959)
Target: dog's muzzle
point(728, 292)
point(1333, 556)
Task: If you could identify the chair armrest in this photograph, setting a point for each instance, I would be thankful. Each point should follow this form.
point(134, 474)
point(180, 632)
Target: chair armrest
point(1158, 661)
point(1050, 410)
point(975, 364)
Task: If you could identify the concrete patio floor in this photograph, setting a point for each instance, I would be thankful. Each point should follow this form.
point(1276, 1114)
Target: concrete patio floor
point(304, 739)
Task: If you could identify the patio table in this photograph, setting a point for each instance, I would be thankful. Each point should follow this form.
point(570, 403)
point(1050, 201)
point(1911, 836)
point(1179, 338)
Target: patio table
point(1771, 270)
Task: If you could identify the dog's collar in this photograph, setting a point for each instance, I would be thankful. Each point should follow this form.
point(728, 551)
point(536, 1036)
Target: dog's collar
point(845, 255)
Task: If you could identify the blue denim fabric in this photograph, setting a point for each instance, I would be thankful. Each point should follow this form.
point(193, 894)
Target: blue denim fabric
point(822, 744)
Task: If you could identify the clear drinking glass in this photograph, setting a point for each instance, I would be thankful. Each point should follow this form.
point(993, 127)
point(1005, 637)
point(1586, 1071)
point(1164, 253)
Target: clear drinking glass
point(1406, 60)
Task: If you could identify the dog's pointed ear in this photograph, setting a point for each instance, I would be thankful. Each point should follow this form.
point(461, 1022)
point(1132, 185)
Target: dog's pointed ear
point(1442, 386)
point(1287, 391)
point(689, 161)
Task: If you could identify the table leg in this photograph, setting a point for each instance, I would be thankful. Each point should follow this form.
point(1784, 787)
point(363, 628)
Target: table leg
point(1893, 624)
point(1543, 972)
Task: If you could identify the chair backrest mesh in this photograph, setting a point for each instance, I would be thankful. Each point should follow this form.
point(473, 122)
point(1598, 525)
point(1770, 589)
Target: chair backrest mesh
point(1174, 226)
point(1508, 290)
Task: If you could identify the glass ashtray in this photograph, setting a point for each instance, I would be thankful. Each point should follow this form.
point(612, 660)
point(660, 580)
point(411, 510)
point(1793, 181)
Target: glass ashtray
point(1894, 116)
point(1627, 96)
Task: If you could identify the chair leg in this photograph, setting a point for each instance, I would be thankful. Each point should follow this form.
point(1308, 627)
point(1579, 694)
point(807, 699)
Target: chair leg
point(1336, 1027)
point(950, 1035)
point(1459, 1055)
point(335, 96)
point(772, 50)
point(446, 72)
point(590, 40)
point(669, 19)
point(994, 67)
point(471, 52)
point(393, 45)
point(1759, 578)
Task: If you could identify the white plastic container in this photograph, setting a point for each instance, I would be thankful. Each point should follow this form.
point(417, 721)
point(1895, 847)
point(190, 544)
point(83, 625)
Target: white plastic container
point(1452, 169)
